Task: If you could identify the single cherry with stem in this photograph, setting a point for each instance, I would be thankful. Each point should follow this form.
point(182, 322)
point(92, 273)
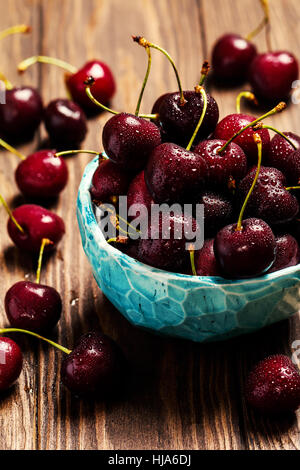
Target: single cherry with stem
point(32, 305)
point(10, 364)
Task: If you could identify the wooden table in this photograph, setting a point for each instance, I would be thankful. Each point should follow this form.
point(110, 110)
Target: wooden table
point(184, 395)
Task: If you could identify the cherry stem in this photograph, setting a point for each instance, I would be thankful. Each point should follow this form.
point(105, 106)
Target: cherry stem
point(288, 188)
point(12, 150)
point(89, 82)
point(281, 134)
point(245, 94)
point(45, 241)
point(265, 21)
point(143, 42)
point(192, 260)
point(117, 240)
point(257, 140)
point(71, 152)
point(280, 107)
point(25, 64)
point(148, 50)
point(9, 212)
point(7, 83)
point(19, 28)
point(199, 89)
point(118, 217)
point(204, 72)
point(19, 330)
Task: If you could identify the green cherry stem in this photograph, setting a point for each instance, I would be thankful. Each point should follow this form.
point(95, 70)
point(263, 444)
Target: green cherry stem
point(7, 83)
point(245, 94)
point(9, 212)
point(148, 50)
point(25, 64)
point(19, 28)
point(257, 140)
point(45, 241)
point(12, 149)
point(289, 188)
point(27, 332)
point(192, 260)
point(281, 134)
point(265, 21)
point(143, 42)
point(280, 107)
point(72, 152)
point(199, 89)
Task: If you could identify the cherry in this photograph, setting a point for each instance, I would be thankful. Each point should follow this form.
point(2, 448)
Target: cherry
point(272, 74)
point(287, 252)
point(104, 81)
point(205, 260)
point(270, 200)
point(231, 57)
point(109, 181)
point(65, 123)
point(11, 362)
point(29, 224)
point(273, 386)
point(138, 193)
point(285, 157)
point(218, 211)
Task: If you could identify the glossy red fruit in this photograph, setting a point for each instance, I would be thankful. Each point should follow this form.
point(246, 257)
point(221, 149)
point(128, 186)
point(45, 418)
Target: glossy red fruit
point(65, 123)
point(11, 361)
point(33, 306)
point(128, 140)
point(233, 123)
point(282, 155)
point(273, 386)
point(109, 180)
point(223, 168)
point(272, 74)
point(42, 175)
point(37, 223)
point(96, 365)
point(103, 89)
point(205, 260)
point(174, 174)
point(21, 115)
point(231, 58)
point(218, 211)
point(245, 253)
point(287, 252)
point(139, 194)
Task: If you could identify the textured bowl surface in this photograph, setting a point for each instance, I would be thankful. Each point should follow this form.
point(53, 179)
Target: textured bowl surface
point(196, 308)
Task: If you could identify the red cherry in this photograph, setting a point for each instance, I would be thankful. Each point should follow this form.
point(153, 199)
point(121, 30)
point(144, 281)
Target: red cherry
point(205, 260)
point(287, 253)
point(138, 193)
point(11, 361)
point(273, 386)
point(283, 156)
point(109, 180)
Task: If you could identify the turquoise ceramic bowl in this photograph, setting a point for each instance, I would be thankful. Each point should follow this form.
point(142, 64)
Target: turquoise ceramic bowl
point(196, 308)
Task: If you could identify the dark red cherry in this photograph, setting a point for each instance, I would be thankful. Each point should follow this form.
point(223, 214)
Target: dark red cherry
point(247, 252)
point(96, 365)
point(109, 180)
point(269, 199)
point(103, 88)
point(205, 260)
point(223, 168)
point(218, 211)
point(231, 58)
point(128, 140)
point(32, 306)
point(179, 121)
point(65, 123)
point(233, 123)
point(273, 386)
point(287, 252)
point(272, 74)
point(11, 362)
point(139, 194)
point(37, 223)
point(42, 175)
point(157, 121)
point(282, 155)
point(174, 174)
point(21, 115)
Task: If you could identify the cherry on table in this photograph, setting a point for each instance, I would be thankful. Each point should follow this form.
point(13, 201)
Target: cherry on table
point(11, 362)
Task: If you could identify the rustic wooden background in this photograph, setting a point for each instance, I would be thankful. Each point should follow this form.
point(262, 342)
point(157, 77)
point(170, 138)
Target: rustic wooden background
point(183, 395)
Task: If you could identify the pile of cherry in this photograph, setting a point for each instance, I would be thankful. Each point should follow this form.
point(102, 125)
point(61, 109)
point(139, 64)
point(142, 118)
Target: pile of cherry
point(177, 154)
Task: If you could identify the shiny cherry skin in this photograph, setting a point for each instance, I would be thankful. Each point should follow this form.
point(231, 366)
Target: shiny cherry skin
point(180, 121)
point(21, 115)
point(33, 306)
point(157, 121)
point(273, 385)
point(287, 252)
point(205, 260)
point(11, 362)
point(37, 223)
point(282, 155)
point(138, 193)
point(269, 199)
point(104, 86)
point(42, 175)
point(231, 58)
point(247, 252)
point(174, 174)
point(96, 365)
point(109, 180)
point(66, 123)
point(233, 123)
point(224, 168)
point(272, 75)
point(218, 211)
point(128, 140)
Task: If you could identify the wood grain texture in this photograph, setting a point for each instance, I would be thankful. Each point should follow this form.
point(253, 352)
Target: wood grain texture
point(182, 395)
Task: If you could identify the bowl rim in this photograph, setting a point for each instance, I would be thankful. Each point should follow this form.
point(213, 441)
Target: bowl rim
point(85, 200)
